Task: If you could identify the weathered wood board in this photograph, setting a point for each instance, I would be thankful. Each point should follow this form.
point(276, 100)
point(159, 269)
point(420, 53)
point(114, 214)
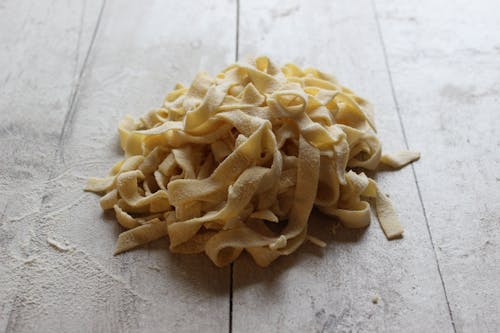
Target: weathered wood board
point(445, 67)
point(332, 290)
point(138, 52)
point(43, 46)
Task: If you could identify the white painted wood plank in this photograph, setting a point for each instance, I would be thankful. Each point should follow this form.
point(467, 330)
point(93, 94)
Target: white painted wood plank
point(332, 290)
point(444, 58)
point(42, 45)
point(142, 49)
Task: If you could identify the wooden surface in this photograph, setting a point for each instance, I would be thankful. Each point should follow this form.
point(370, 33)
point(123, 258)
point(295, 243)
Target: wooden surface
point(70, 70)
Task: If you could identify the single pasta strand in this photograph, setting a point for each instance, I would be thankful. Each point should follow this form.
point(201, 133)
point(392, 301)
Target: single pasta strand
point(236, 163)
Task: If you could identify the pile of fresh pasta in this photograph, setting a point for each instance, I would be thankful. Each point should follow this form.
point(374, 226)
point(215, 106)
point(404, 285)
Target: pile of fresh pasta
point(237, 162)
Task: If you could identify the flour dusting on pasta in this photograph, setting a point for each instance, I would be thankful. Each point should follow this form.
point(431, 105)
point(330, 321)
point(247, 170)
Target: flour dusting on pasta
point(237, 162)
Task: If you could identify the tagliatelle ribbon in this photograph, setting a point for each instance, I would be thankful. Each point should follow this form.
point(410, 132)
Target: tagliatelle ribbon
point(237, 162)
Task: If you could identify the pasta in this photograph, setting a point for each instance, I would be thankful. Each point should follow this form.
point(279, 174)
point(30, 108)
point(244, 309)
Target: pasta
point(237, 162)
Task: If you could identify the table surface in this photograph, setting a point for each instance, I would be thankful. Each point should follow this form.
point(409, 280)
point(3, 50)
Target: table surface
point(69, 70)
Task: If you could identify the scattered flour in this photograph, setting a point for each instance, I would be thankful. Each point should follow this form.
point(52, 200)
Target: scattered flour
point(58, 246)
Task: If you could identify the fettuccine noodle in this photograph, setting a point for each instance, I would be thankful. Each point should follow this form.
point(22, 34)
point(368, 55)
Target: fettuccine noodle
point(237, 162)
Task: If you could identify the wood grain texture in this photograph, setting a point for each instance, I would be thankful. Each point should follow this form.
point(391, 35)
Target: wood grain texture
point(141, 49)
point(42, 45)
point(332, 290)
point(445, 67)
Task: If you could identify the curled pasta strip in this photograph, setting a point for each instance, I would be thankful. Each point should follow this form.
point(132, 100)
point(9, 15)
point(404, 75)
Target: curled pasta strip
point(237, 162)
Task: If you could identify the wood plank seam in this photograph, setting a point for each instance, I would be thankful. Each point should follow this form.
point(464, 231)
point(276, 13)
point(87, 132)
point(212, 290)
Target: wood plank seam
point(422, 205)
point(11, 321)
point(231, 270)
point(231, 285)
point(68, 118)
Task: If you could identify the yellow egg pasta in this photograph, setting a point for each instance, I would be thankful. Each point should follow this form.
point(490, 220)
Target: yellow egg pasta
point(237, 162)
